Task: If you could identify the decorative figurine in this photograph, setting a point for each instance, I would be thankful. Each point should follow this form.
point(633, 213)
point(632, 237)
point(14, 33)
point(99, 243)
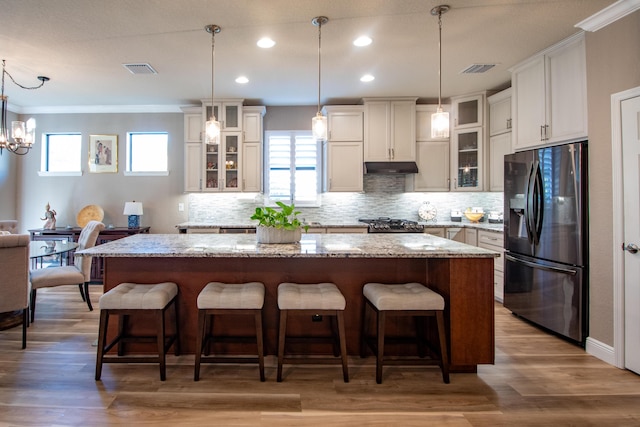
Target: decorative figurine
point(49, 218)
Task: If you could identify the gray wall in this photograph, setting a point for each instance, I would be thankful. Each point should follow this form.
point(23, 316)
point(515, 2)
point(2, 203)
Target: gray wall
point(9, 164)
point(613, 65)
point(68, 195)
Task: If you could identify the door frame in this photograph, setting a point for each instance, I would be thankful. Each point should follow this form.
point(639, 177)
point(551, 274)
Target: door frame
point(618, 223)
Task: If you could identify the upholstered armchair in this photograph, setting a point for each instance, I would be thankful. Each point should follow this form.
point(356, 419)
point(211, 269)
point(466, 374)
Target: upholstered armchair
point(14, 280)
point(10, 225)
point(77, 274)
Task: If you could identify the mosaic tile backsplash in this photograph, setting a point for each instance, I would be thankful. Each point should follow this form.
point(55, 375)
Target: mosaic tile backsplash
point(384, 195)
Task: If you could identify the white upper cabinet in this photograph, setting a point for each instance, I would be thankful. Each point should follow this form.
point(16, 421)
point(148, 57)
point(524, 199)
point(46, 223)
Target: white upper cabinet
point(432, 155)
point(500, 112)
point(468, 111)
point(344, 122)
point(192, 124)
point(549, 96)
point(500, 137)
point(389, 129)
point(227, 112)
point(252, 123)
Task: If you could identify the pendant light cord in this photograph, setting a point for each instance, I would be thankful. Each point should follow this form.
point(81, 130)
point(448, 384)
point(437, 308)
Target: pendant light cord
point(440, 59)
point(319, 59)
point(213, 62)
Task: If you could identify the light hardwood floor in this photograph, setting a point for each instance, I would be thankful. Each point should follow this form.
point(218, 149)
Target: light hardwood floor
point(537, 380)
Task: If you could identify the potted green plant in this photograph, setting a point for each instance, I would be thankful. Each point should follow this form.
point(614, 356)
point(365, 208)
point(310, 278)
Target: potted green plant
point(278, 226)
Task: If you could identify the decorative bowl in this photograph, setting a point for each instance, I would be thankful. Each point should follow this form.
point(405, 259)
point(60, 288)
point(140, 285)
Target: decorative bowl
point(473, 216)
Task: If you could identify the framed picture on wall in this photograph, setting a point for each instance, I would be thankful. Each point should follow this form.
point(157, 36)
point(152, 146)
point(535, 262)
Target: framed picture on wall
point(103, 153)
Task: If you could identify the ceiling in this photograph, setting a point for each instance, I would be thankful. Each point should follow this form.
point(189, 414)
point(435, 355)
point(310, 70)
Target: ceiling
point(82, 44)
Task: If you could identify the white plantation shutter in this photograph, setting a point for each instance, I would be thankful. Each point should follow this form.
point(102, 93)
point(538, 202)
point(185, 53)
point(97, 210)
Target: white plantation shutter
point(293, 167)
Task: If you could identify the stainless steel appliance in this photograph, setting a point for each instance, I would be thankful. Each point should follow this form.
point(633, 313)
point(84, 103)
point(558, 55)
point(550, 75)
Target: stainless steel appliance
point(546, 240)
point(391, 225)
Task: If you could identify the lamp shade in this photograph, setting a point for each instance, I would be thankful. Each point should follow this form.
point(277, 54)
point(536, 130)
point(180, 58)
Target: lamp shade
point(132, 208)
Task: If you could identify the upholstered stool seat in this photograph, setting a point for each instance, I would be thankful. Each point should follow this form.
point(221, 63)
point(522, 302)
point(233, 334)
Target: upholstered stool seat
point(408, 299)
point(128, 299)
point(321, 299)
point(229, 299)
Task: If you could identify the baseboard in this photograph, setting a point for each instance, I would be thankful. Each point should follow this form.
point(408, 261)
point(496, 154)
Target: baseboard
point(601, 350)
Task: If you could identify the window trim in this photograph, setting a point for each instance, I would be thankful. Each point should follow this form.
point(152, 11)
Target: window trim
point(268, 201)
point(127, 159)
point(44, 144)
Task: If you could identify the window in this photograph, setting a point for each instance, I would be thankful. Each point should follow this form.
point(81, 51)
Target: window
point(292, 167)
point(61, 154)
point(147, 153)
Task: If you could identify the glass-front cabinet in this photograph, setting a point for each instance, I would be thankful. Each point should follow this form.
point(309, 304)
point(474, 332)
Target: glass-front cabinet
point(222, 163)
point(467, 159)
point(228, 113)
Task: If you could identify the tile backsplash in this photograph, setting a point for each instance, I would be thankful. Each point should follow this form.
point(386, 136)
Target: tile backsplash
point(384, 195)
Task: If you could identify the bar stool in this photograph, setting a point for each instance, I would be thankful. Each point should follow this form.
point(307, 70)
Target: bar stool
point(129, 299)
point(409, 299)
point(312, 299)
point(218, 299)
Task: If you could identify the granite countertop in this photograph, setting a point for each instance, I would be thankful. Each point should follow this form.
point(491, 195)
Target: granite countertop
point(390, 245)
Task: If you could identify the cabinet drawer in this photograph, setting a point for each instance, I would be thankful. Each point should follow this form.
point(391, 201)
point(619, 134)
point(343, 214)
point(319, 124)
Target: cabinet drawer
point(490, 238)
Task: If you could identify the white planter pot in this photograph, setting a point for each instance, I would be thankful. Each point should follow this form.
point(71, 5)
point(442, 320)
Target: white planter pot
point(277, 235)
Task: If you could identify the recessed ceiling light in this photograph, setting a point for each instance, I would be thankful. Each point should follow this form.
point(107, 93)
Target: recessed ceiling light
point(266, 43)
point(367, 78)
point(362, 41)
point(242, 80)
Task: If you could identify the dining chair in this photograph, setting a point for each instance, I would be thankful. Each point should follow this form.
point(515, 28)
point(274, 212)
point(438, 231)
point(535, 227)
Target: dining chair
point(14, 280)
point(79, 273)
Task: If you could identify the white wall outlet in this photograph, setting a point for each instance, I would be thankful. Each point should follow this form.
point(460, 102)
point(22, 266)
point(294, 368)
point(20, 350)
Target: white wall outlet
point(180, 207)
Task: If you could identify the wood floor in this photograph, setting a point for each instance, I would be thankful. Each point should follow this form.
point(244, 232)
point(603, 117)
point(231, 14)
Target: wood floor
point(537, 380)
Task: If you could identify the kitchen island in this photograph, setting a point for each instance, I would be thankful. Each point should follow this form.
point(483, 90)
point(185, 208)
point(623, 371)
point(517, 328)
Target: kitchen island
point(462, 274)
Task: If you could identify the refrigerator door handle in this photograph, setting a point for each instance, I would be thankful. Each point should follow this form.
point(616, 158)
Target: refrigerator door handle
point(528, 210)
point(540, 266)
point(538, 197)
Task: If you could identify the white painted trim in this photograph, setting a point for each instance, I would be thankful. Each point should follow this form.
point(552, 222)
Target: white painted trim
point(162, 173)
point(618, 222)
point(602, 351)
point(99, 109)
point(608, 15)
point(47, 173)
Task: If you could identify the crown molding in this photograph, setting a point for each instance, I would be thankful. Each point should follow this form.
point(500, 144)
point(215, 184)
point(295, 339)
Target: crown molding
point(98, 109)
point(609, 14)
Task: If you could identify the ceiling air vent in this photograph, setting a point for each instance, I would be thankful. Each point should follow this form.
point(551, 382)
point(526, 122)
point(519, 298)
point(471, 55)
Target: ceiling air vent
point(140, 68)
point(477, 68)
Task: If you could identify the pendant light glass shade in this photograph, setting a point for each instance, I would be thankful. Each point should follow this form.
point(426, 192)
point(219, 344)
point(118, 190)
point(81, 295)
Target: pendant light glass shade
point(212, 126)
point(440, 124)
point(440, 119)
point(319, 127)
point(319, 122)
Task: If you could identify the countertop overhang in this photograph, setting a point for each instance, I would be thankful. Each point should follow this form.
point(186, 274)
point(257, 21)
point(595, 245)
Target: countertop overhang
point(409, 245)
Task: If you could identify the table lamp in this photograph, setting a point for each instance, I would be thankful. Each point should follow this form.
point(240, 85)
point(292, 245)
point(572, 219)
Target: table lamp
point(134, 210)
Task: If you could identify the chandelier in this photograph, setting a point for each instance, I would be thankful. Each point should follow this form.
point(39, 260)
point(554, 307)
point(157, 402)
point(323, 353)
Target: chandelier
point(22, 134)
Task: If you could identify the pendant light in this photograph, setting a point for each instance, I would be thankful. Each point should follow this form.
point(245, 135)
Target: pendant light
point(319, 122)
point(212, 126)
point(440, 119)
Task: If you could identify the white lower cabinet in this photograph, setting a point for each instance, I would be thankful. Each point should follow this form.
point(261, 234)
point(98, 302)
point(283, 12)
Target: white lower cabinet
point(494, 241)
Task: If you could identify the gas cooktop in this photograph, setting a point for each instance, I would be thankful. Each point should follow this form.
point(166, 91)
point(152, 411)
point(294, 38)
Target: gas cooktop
point(392, 225)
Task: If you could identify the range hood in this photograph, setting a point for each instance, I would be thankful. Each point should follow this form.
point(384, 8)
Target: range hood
point(390, 167)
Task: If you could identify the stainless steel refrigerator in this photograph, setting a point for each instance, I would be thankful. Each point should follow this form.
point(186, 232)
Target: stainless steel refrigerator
point(546, 238)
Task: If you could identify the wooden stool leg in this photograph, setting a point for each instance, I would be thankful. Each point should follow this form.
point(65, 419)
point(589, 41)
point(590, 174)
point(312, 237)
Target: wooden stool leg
point(208, 336)
point(161, 353)
point(87, 297)
point(419, 323)
point(198, 350)
point(281, 338)
point(363, 328)
point(123, 321)
point(176, 343)
point(260, 343)
point(380, 350)
point(444, 359)
point(102, 338)
point(343, 345)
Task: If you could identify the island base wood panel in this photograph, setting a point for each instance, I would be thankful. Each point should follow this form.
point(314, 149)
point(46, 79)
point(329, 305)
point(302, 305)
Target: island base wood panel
point(465, 283)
